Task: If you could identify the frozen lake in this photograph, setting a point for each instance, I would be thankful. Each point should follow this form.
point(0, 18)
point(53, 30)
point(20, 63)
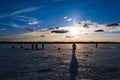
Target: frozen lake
point(85, 63)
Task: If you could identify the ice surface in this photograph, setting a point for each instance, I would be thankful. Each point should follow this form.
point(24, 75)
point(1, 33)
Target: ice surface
point(60, 62)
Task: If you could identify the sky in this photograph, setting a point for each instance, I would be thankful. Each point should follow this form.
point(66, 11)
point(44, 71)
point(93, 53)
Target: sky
point(60, 20)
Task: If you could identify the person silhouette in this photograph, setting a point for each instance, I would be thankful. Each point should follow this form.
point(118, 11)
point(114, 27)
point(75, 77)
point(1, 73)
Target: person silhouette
point(96, 45)
point(42, 46)
point(21, 46)
point(73, 67)
point(13, 46)
point(32, 46)
point(74, 46)
point(36, 46)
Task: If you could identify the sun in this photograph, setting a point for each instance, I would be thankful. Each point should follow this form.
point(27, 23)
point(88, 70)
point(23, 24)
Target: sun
point(74, 30)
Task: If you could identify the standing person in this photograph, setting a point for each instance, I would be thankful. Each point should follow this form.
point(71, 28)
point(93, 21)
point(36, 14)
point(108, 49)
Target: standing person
point(42, 46)
point(32, 46)
point(73, 67)
point(96, 45)
point(74, 46)
point(36, 46)
point(13, 46)
point(21, 46)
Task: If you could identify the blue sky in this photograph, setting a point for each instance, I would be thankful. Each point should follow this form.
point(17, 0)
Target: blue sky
point(19, 17)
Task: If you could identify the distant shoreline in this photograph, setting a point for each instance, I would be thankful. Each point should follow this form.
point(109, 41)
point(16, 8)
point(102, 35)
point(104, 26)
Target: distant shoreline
point(60, 42)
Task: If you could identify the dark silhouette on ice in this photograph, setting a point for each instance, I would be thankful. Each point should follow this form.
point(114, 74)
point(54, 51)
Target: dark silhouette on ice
point(13, 46)
point(96, 45)
point(21, 46)
point(32, 46)
point(73, 67)
point(42, 46)
point(36, 46)
point(74, 46)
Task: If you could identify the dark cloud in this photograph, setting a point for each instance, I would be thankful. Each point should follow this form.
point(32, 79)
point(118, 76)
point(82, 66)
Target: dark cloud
point(112, 25)
point(56, 27)
point(86, 26)
point(30, 29)
point(87, 23)
point(59, 31)
point(100, 30)
point(49, 29)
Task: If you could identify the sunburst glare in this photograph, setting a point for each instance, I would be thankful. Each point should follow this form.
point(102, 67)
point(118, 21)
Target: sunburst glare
point(74, 30)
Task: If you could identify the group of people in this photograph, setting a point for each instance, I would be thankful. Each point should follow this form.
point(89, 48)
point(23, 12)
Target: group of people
point(33, 46)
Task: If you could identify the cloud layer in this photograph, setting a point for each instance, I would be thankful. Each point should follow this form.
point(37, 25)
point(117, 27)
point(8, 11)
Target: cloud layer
point(30, 9)
point(66, 32)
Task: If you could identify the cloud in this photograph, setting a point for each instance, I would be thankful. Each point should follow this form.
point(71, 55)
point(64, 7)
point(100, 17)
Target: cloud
point(33, 22)
point(23, 27)
point(30, 9)
point(26, 35)
point(87, 22)
point(100, 30)
point(24, 17)
point(66, 18)
point(26, 24)
point(30, 29)
point(49, 29)
point(5, 24)
point(15, 25)
point(69, 19)
point(65, 32)
point(28, 20)
point(3, 29)
point(113, 25)
point(59, 31)
point(1, 16)
point(25, 10)
point(11, 25)
point(86, 26)
point(20, 21)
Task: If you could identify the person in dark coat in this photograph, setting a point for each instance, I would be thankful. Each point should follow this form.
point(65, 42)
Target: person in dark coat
point(32, 46)
point(74, 46)
point(42, 46)
point(96, 45)
point(36, 46)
